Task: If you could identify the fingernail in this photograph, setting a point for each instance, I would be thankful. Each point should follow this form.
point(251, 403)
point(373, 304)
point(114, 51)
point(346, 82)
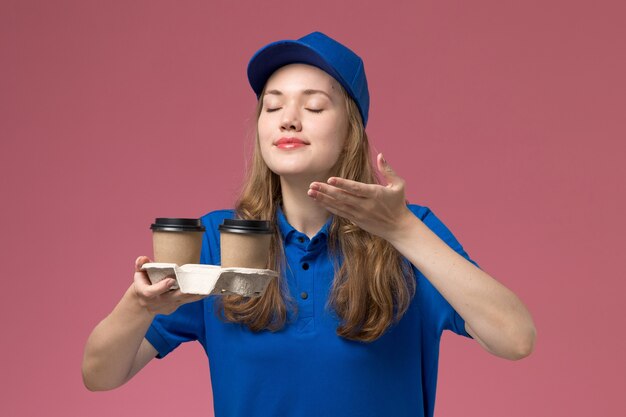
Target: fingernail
point(314, 186)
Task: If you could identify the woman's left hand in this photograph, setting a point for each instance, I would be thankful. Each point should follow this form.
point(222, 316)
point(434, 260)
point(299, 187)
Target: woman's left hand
point(379, 209)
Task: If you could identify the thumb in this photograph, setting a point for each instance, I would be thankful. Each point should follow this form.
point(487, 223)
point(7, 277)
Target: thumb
point(140, 261)
point(389, 174)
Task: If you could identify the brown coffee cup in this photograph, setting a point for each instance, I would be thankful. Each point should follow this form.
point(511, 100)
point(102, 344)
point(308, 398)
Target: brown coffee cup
point(245, 243)
point(177, 240)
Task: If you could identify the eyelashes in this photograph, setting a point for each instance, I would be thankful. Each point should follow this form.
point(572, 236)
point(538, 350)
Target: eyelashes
point(278, 108)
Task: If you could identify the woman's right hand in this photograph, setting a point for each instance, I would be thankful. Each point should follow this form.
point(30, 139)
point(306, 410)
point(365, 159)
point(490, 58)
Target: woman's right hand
point(116, 348)
point(158, 298)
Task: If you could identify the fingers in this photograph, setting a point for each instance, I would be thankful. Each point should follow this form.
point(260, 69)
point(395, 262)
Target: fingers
point(357, 189)
point(141, 277)
point(345, 198)
point(337, 201)
point(343, 190)
point(149, 291)
point(158, 298)
point(140, 261)
point(331, 197)
point(388, 173)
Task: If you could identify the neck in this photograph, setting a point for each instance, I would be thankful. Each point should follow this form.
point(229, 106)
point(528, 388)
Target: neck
point(302, 212)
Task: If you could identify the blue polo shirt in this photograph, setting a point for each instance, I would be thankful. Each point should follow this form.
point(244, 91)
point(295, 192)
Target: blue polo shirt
point(305, 369)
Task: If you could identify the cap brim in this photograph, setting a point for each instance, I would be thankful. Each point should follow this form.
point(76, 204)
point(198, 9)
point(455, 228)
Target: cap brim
point(278, 54)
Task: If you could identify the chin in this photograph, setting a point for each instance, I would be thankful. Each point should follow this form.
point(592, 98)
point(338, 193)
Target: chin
point(291, 173)
point(299, 169)
point(300, 173)
point(288, 169)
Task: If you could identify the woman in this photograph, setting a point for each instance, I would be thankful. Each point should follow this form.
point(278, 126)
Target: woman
point(367, 284)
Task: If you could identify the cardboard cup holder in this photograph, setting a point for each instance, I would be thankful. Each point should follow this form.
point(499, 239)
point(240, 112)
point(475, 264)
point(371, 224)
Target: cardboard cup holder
point(212, 279)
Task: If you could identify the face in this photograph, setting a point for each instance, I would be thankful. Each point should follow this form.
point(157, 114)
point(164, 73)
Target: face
point(303, 122)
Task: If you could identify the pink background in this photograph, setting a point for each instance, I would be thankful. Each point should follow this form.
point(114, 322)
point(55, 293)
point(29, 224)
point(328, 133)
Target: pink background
point(508, 120)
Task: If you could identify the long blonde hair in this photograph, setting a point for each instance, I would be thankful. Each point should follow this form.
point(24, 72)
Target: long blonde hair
point(373, 284)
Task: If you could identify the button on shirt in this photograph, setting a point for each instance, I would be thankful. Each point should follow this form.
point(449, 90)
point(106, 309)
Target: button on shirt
point(309, 272)
point(305, 369)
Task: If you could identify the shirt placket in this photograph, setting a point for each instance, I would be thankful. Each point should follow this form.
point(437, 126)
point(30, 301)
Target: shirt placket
point(304, 269)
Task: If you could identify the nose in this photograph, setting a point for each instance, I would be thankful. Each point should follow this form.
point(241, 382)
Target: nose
point(290, 119)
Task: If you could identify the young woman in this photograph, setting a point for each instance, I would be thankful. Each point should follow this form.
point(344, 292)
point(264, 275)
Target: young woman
point(367, 283)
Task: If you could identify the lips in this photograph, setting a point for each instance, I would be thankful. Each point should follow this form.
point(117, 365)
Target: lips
point(290, 143)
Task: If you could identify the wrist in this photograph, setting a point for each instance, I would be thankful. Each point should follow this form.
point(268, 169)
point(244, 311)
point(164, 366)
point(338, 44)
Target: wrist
point(133, 306)
point(404, 228)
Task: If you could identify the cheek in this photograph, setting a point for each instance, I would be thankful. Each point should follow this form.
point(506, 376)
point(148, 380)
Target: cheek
point(263, 134)
point(264, 122)
point(264, 148)
point(332, 151)
point(338, 136)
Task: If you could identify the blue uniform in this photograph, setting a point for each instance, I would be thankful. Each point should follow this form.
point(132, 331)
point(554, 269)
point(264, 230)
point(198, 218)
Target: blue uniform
point(305, 369)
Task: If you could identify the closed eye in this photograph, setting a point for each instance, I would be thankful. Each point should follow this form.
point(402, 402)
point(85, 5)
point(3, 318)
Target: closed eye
point(278, 108)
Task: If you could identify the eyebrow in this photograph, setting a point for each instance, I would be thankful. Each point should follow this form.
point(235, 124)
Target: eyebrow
point(307, 92)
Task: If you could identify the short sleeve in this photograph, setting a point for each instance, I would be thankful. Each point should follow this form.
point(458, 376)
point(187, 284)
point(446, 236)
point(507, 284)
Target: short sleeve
point(438, 313)
point(186, 324)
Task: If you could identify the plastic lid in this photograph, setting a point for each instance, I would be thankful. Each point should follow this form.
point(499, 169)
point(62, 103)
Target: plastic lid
point(168, 224)
point(245, 226)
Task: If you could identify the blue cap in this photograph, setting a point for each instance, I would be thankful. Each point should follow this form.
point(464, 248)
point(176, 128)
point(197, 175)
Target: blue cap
point(320, 51)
